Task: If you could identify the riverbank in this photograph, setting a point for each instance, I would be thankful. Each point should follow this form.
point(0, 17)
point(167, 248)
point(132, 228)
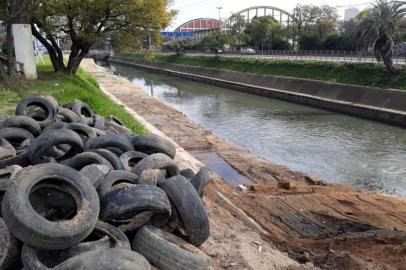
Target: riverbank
point(332, 226)
point(354, 73)
point(66, 89)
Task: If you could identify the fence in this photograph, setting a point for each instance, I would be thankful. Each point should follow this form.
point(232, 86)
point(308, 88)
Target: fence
point(313, 55)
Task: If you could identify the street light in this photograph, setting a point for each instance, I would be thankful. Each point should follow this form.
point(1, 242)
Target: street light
point(219, 8)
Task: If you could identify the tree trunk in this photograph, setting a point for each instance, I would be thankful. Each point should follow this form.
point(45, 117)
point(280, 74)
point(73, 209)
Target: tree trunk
point(75, 58)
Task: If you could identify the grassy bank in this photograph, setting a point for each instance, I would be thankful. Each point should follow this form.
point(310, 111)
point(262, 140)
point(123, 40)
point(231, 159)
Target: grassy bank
point(66, 89)
point(348, 73)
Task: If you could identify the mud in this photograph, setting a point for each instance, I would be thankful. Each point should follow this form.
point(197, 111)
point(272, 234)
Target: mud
point(331, 226)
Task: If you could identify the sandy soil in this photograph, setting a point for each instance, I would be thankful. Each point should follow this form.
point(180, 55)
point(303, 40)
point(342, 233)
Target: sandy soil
point(328, 225)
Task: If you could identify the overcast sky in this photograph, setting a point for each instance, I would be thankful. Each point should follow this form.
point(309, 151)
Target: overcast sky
point(192, 9)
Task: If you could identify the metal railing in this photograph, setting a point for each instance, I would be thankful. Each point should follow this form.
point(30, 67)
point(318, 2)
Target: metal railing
point(310, 55)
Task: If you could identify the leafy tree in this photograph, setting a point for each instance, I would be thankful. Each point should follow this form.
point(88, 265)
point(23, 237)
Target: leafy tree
point(264, 31)
point(179, 45)
point(379, 29)
point(216, 42)
point(89, 22)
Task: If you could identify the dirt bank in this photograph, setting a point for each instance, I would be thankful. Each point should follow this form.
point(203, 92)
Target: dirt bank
point(332, 226)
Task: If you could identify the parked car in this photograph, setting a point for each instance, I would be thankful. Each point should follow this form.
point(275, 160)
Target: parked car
point(248, 51)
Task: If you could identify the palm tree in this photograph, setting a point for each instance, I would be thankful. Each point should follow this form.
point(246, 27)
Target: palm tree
point(379, 29)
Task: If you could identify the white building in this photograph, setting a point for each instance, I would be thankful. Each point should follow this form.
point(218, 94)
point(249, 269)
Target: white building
point(350, 13)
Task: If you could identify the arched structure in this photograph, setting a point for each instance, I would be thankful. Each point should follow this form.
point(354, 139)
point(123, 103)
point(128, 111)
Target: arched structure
point(280, 15)
point(197, 25)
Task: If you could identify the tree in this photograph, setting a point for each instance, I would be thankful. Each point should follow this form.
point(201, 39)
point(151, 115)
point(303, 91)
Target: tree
point(264, 31)
point(379, 30)
point(89, 22)
point(179, 45)
point(216, 42)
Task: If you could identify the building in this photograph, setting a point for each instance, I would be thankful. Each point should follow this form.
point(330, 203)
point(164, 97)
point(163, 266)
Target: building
point(350, 13)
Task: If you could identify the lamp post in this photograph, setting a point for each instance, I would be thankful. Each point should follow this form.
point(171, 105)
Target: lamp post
point(220, 8)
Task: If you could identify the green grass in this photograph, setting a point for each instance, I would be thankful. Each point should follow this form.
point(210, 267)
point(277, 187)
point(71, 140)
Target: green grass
point(348, 73)
point(67, 89)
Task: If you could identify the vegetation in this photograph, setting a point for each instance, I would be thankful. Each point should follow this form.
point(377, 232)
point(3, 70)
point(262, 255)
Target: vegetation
point(358, 74)
point(66, 89)
point(379, 29)
point(89, 22)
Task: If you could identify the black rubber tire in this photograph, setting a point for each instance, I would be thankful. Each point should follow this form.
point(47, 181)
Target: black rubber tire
point(24, 122)
point(86, 158)
point(106, 259)
point(15, 136)
point(108, 237)
point(114, 119)
point(130, 159)
point(99, 122)
point(187, 173)
point(116, 143)
point(84, 131)
point(110, 125)
point(10, 247)
point(55, 137)
point(173, 221)
point(114, 178)
point(191, 210)
point(86, 121)
point(201, 180)
point(125, 203)
point(28, 226)
point(157, 161)
point(82, 109)
point(21, 160)
point(151, 177)
point(151, 144)
point(6, 149)
point(111, 157)
point(67, 115)
point(44, 103)
point(168, 252)
point(99, 132)
point(96, 173)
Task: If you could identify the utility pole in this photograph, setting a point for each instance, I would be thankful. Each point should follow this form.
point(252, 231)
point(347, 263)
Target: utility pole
point(220, 8)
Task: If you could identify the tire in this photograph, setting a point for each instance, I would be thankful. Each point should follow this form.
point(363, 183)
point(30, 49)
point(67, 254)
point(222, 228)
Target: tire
point(187, 173)
point(130, 159)
point(23, 122)
point(114, 178)
point(15, 136)
point(167, 251)
point(86, 121)
point(107, 237)
point(42, 102)
point(55, 137)
point(117, 128)
point(86, 158)
point(151, 177)
point(99, 122)
point(123, 204)
point(30, 227)
point(99, 132)
point(84, 131)
point(114, 119)
point(201, 180)
point(116, 143)
point(67, 115)
point(173, 221)
point(151, 144)
point(190, 208)
point(95, 173)
point(111, 157)
point(23, 146)
point(21, 160)
point(106, 259)
point(6, 149)
point(157, 161)
point(82, 109)
point(9, 249)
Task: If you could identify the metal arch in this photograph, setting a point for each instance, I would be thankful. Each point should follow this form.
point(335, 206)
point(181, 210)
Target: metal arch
point(266, 8)
point(194, 20)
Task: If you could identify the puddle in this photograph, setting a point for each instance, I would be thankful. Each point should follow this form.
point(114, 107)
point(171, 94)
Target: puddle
point(222, 168)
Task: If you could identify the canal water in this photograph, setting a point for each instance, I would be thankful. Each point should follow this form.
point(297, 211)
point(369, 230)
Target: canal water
point(336, 147)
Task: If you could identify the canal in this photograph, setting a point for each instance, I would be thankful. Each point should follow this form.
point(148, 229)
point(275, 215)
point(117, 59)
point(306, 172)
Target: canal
point(336, 147)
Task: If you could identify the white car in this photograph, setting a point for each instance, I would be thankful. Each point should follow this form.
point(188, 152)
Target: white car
point(248, 51)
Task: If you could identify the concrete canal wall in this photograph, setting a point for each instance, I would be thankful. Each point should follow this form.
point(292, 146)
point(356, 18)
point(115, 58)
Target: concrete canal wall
point(384, 105)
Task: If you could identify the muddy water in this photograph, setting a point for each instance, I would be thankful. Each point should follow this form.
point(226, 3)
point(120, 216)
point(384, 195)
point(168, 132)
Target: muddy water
point(334, 146)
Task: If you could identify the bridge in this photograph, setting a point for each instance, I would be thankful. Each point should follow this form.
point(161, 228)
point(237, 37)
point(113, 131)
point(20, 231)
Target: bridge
point(281, 16)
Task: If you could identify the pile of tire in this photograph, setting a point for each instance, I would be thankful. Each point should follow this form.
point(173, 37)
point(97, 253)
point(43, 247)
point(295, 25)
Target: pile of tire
point(79, 191)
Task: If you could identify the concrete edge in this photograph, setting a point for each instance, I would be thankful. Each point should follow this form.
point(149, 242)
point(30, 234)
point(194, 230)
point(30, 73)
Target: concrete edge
point(379, 114)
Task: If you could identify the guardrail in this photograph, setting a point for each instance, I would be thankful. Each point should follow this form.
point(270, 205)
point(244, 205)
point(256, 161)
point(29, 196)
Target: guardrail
point(322, 56)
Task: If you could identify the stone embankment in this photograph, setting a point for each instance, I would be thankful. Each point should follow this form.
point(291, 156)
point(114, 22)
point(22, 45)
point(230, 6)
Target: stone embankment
point(327, 225)
point(383, 105)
